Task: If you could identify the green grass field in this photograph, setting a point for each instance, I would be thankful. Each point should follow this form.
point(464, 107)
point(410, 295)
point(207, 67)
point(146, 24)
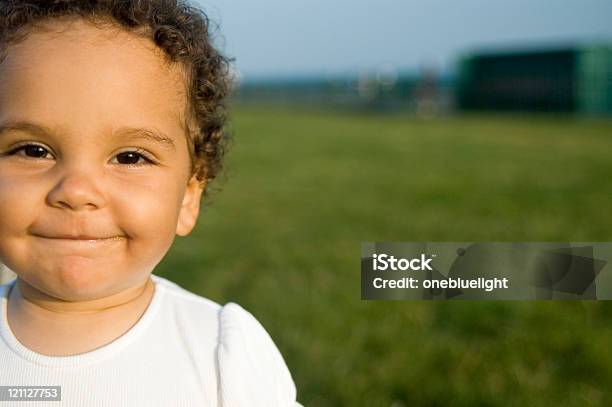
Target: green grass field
point(305, 188)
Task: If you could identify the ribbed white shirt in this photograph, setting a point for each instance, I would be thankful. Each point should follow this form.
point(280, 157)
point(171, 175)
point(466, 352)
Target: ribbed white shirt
point(185, 350)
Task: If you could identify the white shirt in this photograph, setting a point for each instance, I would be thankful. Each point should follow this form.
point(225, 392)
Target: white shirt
point(185, 350)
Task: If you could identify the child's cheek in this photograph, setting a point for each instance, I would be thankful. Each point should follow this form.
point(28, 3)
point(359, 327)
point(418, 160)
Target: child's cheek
point(20, 201)
point(19, 204)
point(147, 212)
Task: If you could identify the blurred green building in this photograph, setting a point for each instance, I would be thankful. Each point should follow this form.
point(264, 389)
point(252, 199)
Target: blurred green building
point(575, 79)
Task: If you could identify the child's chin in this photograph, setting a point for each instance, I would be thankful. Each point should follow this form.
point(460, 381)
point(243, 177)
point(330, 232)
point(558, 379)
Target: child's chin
point(83, 288)
point(76, 278)
point(80, 293)
point(70, 284)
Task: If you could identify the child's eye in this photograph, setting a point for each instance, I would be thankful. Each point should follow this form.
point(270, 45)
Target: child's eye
point(133, 158)
point(30, 150)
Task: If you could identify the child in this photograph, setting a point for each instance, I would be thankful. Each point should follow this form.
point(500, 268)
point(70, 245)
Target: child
point(111, 126)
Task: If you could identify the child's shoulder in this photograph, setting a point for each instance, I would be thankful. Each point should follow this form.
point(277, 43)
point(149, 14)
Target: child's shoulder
point(229, 317)
point(180, 295)
point(231, 320)
point(192, 316)
point(250, 366)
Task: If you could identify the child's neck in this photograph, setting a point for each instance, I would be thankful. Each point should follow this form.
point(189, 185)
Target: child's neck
point(73, 327)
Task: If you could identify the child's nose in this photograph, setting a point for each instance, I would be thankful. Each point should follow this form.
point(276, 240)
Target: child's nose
point(77, 189)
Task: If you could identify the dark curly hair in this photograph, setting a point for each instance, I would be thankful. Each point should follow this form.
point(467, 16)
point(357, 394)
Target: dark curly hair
point(180, 29)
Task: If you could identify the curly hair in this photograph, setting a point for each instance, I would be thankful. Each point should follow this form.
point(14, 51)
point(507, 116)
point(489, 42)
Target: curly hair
point(181, 30)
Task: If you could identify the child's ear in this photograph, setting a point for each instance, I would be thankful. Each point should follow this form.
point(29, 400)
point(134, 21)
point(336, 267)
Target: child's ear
point(190, 208)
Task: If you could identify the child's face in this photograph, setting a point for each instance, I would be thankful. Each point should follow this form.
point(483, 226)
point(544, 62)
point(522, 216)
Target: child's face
point(77, 180)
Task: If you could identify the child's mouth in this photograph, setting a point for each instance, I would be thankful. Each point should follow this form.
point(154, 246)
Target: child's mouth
point(81, 237)
point(80, 243)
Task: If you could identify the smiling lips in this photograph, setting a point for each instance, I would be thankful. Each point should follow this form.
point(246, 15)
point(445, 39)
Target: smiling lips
point(80, 241)
point(80, 237)
point(80, 245)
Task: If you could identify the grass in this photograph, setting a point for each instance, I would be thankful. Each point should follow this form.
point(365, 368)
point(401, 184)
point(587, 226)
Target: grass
point(306, 187)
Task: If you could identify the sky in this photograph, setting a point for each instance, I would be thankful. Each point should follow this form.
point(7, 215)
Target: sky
point(287, 38)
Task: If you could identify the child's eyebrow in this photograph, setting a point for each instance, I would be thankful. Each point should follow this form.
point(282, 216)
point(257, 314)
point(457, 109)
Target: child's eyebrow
point(146, 134)
point(126, 132)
